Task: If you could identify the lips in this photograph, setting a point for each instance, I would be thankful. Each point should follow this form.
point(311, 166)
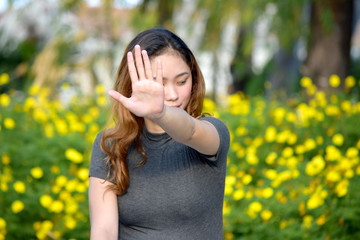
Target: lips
point(175, 106)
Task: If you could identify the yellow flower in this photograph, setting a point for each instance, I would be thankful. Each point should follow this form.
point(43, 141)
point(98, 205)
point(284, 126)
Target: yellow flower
point(56, 206)
point(71, 207)
point(333, 176)
point(226, 208)
point(61, 180)
point(305, 82)
point(228, 189)
point(209, 105)
point(54, 169)
point(239, 194)
point(4, 79)
point(61, 126)
point(349, 173)
point(310, 144)
point(9, 123)
point(49, 130)
point(279, 114)
point(270, 174)
point(315, 166)
point(71, 185)
point(19, 187)
point(34, 90)
point(100, 89)
point(311, 90)
point(266, 215)
point(332, 110)
point(290, 117)
point(315, 201)
point(283, 224)
point(270, 134)
point(17, 206)
point(321, 220)
point(350, 82)
point(246, 179)
point(101, 100)
point(252, 159)
point(4, 100)
point(300, 149)
point(271, 157)
point(5, 159)
point(241, 131)
point(346, 106)
point(40, 115)
point(342, 188)
point(46, 201)
point(332, 153)
point(70, 222)
point(2, 223)
point(255, 207)
point(334, 81)
point(292, 139)
point(268, 192)
point(338, 139)
point(352, 152)
point(228, 236)
point(307, 221)
point(37, 172)
point(287, 152)
point(29, 104)
point(73, 155)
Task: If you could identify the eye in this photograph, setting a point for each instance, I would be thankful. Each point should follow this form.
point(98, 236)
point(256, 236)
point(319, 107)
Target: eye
point(181, 83)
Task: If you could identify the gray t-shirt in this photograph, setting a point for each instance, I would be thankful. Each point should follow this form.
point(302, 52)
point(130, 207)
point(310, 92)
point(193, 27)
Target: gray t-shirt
point(178, 193)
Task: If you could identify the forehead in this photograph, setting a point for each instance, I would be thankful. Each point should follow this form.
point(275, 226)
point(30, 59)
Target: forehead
point(171, 61)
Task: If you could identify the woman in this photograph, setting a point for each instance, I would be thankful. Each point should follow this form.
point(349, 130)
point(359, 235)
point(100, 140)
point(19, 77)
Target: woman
point(159, 172)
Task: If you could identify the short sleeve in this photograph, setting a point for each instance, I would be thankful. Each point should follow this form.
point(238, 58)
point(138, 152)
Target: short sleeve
point(98, 167)
point(224, 139)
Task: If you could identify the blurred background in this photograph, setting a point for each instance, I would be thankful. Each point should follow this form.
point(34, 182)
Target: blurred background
point(258, 47)
point(283, 75)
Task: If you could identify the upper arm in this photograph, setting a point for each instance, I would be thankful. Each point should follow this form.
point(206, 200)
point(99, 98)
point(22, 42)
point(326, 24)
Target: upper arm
point(205, 138)
point(103, 210)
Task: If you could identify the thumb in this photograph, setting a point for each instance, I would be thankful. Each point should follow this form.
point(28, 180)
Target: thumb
point(118, 96)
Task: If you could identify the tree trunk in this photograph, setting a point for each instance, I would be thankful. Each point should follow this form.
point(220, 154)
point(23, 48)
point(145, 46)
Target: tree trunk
point(240, 66)
point(329, 46)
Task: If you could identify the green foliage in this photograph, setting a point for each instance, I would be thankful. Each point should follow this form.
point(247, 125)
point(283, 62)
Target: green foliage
point(44, 160)
point(293, 170)
point(294, 167)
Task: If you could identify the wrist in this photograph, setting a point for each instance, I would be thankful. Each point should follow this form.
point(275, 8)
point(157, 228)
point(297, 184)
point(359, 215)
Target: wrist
point(160, 115)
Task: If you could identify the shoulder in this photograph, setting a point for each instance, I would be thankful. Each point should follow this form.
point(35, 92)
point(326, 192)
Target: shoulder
point(223, 132)
point(219, 124)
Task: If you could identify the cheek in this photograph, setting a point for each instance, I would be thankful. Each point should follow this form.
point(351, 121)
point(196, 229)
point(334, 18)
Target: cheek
point(186, 92)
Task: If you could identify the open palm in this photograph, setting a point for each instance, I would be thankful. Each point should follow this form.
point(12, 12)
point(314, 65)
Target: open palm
point(147, 98)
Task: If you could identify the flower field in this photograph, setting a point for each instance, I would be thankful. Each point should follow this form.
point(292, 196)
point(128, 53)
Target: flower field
point(293, 167)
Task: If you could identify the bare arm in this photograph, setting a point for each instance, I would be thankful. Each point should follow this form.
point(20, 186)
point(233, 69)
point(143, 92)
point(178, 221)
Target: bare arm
point(103, 210)
point(200, 135)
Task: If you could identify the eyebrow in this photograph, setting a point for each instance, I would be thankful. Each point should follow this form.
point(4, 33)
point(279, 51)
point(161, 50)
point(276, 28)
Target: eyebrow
point(179, 75)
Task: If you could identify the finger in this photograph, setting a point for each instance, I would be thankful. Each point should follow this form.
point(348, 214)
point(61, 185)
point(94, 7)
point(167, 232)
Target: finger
point(139, 62)
point(118, 97)
point(159, 76)
point(132, 69)
point(147, 64)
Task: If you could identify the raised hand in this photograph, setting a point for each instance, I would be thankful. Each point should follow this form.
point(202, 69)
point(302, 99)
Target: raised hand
point(147, 98)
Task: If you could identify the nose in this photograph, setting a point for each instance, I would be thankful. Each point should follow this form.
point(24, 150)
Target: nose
point(170, 93)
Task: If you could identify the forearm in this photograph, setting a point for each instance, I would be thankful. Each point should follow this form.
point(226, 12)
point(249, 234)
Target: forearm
point(177, 123)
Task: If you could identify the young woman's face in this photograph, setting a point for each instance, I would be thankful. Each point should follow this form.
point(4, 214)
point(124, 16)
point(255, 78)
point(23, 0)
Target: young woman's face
point(177, 79)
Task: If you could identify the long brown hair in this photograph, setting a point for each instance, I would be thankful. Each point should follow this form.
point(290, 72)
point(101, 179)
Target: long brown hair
point(128, 127)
